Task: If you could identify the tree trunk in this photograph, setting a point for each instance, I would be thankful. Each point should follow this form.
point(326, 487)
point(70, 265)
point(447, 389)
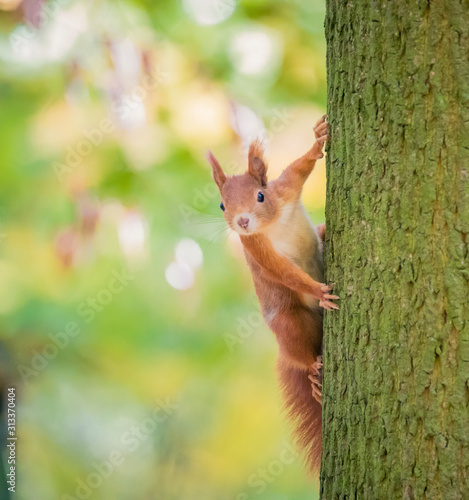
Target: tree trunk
point(396, 355)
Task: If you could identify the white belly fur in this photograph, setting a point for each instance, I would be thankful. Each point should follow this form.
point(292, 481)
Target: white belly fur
point(294, 236)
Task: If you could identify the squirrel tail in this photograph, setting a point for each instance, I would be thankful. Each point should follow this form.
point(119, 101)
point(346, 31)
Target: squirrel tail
point(303, 412)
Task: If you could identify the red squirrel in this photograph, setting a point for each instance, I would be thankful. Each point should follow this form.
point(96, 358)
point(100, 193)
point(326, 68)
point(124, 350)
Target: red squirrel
point(284, 252)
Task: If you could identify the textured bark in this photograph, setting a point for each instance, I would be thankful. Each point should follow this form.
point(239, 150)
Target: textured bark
point(396, 355)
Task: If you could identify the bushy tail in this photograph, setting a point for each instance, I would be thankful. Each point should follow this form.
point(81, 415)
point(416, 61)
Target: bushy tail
point(303, 412)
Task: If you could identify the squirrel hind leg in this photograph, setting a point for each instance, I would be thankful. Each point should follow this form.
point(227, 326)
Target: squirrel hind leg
point(316, 379)
point(299, 335)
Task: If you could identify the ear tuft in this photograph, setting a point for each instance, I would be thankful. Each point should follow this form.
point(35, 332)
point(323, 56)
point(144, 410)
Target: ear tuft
point(217, 172)
point(257, 167)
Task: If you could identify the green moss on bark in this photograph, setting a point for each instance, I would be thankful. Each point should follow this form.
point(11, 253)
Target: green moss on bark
point(395, 411)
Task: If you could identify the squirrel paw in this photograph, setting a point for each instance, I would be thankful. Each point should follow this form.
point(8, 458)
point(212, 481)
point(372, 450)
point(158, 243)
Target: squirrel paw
point(326, 298)
point(316, 379)
point(321, 130)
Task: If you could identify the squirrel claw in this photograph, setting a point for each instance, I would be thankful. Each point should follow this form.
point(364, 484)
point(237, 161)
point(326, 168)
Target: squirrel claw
point(320, 127)
point(316, 379)
point(325, 300)
point(316, 389)
point(322, 138)
point(321, 133)
point(317, 395)
point(326, 304)
point(316, 367)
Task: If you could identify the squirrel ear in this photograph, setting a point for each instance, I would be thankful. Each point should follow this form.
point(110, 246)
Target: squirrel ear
point(256, 164)
point(218, 175)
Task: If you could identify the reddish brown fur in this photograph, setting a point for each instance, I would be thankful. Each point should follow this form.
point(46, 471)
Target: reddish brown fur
point(284, 254)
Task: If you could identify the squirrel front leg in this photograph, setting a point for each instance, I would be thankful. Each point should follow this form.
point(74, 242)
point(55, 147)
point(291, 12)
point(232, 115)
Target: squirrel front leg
point(286, 272)
point(297, 172)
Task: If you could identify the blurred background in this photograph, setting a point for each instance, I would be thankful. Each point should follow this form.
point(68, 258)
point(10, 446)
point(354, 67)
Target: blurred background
point(128, 320)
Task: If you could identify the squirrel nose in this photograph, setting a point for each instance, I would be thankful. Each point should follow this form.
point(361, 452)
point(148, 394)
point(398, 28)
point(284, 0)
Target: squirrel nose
point(243, 222)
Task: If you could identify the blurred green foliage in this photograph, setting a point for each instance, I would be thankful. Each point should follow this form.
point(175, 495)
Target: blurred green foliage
point(128, 320)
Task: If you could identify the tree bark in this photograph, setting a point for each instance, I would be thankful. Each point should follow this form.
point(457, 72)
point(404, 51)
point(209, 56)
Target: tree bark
point(396, 355)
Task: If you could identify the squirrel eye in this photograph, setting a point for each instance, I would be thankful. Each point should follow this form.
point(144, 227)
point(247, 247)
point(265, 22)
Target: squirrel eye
point(260, 197)
point(222, 206)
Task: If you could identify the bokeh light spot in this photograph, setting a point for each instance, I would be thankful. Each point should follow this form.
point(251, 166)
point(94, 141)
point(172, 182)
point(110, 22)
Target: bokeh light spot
point(189, 252)
point(179, 275)
point(209, 12)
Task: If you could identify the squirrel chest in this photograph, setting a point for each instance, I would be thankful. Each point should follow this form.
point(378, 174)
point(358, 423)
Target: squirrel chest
point(293, 236)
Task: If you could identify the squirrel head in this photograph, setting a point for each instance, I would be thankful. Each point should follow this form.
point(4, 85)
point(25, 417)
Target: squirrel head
point(248, 204)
